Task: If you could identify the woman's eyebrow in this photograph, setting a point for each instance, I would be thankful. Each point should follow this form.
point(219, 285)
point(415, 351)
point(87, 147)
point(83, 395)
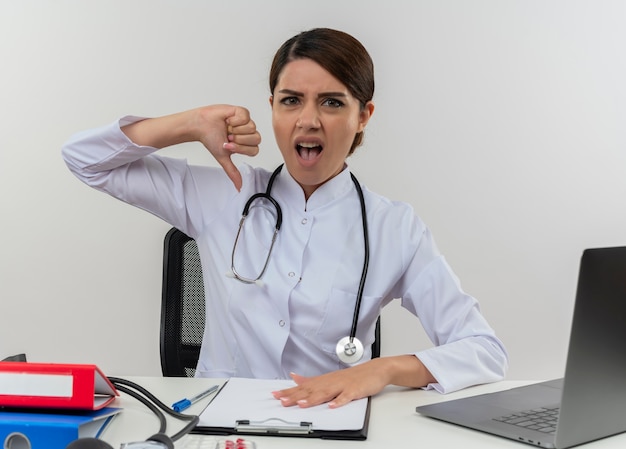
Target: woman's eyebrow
point(331, 94)
point(291, 92)
point(295, 93)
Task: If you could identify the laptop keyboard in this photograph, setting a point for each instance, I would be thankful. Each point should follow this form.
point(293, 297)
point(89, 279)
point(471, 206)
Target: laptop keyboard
point(541, 419)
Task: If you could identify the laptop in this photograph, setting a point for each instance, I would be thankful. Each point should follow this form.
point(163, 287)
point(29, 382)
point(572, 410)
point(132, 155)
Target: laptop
point(589, 402)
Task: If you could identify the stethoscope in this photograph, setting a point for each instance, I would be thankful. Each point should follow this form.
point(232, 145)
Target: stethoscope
point(349, 349)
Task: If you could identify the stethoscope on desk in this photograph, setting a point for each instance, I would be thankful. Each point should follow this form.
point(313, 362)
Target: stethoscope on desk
point(349, 349)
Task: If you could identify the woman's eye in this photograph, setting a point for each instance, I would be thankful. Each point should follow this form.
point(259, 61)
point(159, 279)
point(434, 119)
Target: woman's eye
point(289, 101)
point(333, 103)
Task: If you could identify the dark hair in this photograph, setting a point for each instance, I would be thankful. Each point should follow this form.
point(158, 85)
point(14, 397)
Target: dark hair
point(338, 53)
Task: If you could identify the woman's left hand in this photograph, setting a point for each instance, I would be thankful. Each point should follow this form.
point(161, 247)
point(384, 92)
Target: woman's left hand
point(337, 388)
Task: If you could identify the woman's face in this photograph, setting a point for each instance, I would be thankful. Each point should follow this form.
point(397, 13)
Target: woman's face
point(315, 119)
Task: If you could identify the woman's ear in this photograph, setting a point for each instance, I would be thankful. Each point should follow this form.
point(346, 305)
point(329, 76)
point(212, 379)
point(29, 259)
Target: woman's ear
point(365, 114)
point(271, 100)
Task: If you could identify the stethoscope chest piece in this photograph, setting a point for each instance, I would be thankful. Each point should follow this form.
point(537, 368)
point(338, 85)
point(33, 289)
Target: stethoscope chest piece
point(349, 350)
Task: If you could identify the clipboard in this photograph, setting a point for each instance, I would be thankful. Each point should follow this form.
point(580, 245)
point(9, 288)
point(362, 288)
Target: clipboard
point(246, 407)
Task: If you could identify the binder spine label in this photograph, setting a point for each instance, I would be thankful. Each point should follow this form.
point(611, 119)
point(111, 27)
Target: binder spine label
point(31, 384)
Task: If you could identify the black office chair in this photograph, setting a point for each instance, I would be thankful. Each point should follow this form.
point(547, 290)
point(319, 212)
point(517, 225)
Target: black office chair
point(376, 344)
point(182, 307)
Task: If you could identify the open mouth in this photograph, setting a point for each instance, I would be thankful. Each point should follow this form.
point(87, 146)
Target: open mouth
point(309, 150)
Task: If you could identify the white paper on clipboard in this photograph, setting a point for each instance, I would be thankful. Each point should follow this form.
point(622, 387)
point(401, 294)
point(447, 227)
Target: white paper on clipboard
point(251, 400)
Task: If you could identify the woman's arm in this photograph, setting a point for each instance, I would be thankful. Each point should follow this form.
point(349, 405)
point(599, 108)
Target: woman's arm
point(224, 130)
point(118, 159)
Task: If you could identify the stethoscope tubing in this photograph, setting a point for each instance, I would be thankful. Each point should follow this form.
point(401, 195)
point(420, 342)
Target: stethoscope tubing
point(366, 260)
point(244, 215)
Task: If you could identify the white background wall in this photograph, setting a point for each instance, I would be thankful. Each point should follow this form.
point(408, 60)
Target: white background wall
point(500, 121)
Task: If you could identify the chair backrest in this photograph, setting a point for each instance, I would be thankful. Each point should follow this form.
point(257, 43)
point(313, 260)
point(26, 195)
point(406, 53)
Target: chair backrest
point(376, 344)
point(182, 305)
point(183, 310)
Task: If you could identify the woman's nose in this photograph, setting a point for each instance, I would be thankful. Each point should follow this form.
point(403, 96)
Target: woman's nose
point(309, 118)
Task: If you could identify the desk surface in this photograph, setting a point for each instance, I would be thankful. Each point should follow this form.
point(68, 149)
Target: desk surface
point(393, 420)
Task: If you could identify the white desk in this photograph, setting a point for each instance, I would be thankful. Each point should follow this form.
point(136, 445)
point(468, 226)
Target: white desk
point(393, 420)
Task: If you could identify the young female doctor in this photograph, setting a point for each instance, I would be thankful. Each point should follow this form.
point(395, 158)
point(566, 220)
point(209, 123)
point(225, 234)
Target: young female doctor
point(305, 304)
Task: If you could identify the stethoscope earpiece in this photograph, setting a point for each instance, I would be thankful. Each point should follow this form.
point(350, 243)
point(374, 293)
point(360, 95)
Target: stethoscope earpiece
point(231, 274)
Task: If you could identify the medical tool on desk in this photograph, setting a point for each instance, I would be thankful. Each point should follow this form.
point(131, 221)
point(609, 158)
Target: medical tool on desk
point(185, 403)
point(159, 440)
point(349, 349)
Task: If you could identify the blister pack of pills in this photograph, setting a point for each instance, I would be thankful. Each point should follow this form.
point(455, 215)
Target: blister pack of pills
point(195, 441)
point(238, 443)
